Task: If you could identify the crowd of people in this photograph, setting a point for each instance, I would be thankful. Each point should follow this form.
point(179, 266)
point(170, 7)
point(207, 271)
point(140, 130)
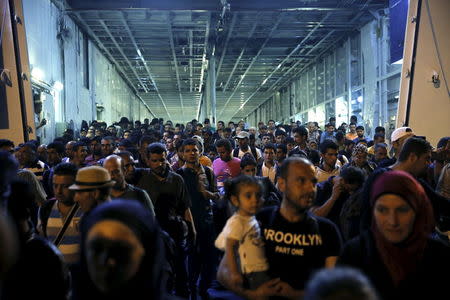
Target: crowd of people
point(154, 210)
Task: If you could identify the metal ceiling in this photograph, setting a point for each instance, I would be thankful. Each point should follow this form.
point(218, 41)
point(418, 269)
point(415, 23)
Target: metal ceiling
point(162, 48)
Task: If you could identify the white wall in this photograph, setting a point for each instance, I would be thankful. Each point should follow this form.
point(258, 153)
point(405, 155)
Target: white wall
point(76, 102)
point(430, 105)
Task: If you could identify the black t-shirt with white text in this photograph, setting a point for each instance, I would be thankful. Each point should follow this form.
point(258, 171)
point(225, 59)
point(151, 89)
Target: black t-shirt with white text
point(295, 250)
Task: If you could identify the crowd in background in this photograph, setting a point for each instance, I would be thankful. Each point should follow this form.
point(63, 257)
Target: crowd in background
point(155, 210)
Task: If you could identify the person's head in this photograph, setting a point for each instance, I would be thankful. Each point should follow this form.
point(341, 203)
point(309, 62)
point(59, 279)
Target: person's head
point(329, 153)
point(360, 131)
point(170, 144)
point(342, 283)
point(269, 153)
point(223, 147)
point(312, 145)
point(26, 154)
point(416, 155)
point(114, 165)
point(108, 145)
point(6, 145)
point(281, 152)
point(380, 130)
point(352, 127)
point(280, 136)
point(245, 193)
point(55, 153)
point(271, 124)
point(191, 152)
point(340, 137)
point(380, 152)
point(64, 176)
point(349, 145)
point(354, 119)
point(353, 178)
point(297, 182)
point(38, 107)
point(402, 212)
point(92, 187)
point(290, 143)
point(399, 137)
point(121, 252)
point(314, 157)
point(300, 135)
point(227, 133)
point(248, 165)
point(157, 158)
point(263, 129)
point(359, 155)
point(220, 125)
point(128, 164)
point(330, 128)
point(252, 130)
point(42, 153)
point(126, 134)
point(80, 151)
point(242, 139)
point(266, 139)
point(378, 138)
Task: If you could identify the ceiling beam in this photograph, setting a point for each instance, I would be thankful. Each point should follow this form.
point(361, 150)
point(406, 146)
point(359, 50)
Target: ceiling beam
point(121, 72)
point(205, 49)
point(141, 57)
point(269, 36)
point(175, 61)
point(225, 46)
point(123, 54)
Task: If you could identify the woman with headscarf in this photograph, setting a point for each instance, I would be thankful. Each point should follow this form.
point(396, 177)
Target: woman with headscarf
point(121, 254)
point(397, 253)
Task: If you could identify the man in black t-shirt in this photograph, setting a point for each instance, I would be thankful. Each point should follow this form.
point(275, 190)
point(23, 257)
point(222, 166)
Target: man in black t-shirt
point(296, 242)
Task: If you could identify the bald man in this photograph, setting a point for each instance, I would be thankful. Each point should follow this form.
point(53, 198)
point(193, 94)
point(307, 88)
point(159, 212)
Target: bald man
point(121, 189)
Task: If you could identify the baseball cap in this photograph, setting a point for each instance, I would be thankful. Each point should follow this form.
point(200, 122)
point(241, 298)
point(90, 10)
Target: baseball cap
point(243, 135)
point(401, 132)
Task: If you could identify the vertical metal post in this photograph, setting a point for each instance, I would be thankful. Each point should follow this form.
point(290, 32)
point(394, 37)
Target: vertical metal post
point(349, 75)
point(211, 107)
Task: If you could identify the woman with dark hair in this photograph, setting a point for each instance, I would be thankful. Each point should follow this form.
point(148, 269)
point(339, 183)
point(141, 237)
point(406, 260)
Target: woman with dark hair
point(397, 253)
point(121, 254)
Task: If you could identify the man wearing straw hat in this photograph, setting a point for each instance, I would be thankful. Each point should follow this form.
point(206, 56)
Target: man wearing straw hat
point(92, 187)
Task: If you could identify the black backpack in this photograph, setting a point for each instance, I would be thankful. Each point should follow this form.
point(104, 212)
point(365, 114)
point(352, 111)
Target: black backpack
point(252, 149)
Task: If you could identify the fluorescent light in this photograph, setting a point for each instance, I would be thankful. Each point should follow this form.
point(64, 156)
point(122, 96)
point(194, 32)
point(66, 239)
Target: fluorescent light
point(37, 73)
point(359, 99)
point(58, 86)
point(398, 62)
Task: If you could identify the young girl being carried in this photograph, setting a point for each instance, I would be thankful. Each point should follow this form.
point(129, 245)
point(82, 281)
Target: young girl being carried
point(241, 237)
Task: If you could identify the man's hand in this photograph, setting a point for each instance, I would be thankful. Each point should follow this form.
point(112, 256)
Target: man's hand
point(287, 291)
point(236, 279)
point(338, 187)
point(265, 290)
point(43, 122)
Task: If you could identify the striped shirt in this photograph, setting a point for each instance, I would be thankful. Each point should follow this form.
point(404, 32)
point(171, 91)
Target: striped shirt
point(70, 243)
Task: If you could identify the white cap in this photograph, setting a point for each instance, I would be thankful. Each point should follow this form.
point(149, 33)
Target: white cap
point(243, 135)
point(401, 132)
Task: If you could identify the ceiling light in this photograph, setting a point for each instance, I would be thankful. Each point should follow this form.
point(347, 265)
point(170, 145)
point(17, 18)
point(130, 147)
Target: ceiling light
point(58, 86)
point(37, 73)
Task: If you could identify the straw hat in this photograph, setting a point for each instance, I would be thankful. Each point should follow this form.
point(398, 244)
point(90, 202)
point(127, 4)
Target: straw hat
point(92, 178)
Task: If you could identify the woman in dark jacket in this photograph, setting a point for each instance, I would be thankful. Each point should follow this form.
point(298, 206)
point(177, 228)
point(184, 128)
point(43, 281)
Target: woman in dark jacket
point(397, 253)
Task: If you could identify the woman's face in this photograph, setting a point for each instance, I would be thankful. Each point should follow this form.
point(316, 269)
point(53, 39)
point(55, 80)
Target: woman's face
point(394, 218)
point(113, 255)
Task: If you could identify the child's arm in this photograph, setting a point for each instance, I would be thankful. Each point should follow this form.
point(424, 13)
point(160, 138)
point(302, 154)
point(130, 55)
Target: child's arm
point(231, 247)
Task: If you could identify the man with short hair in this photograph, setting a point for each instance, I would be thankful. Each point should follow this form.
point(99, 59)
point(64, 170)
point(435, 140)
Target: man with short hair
point(329, 156)
point(79, 154)
point(121, 189)
point(54, 212)
point(95, 150)
point(380, 153)
point(352, 134)
point(55, 152)
point(398, 137)
point(201, 186)
point(291, 258)
point(300, 135)
point(281, 153)
point(360, 134)
point(225, 166)
point(28, 159)
point(329, 134)
point(378, 138)
point(268, 168)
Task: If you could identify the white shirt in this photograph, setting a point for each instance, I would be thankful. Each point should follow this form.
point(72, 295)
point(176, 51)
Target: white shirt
point(246, 230)
point(324, 175)
point(269, 172)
